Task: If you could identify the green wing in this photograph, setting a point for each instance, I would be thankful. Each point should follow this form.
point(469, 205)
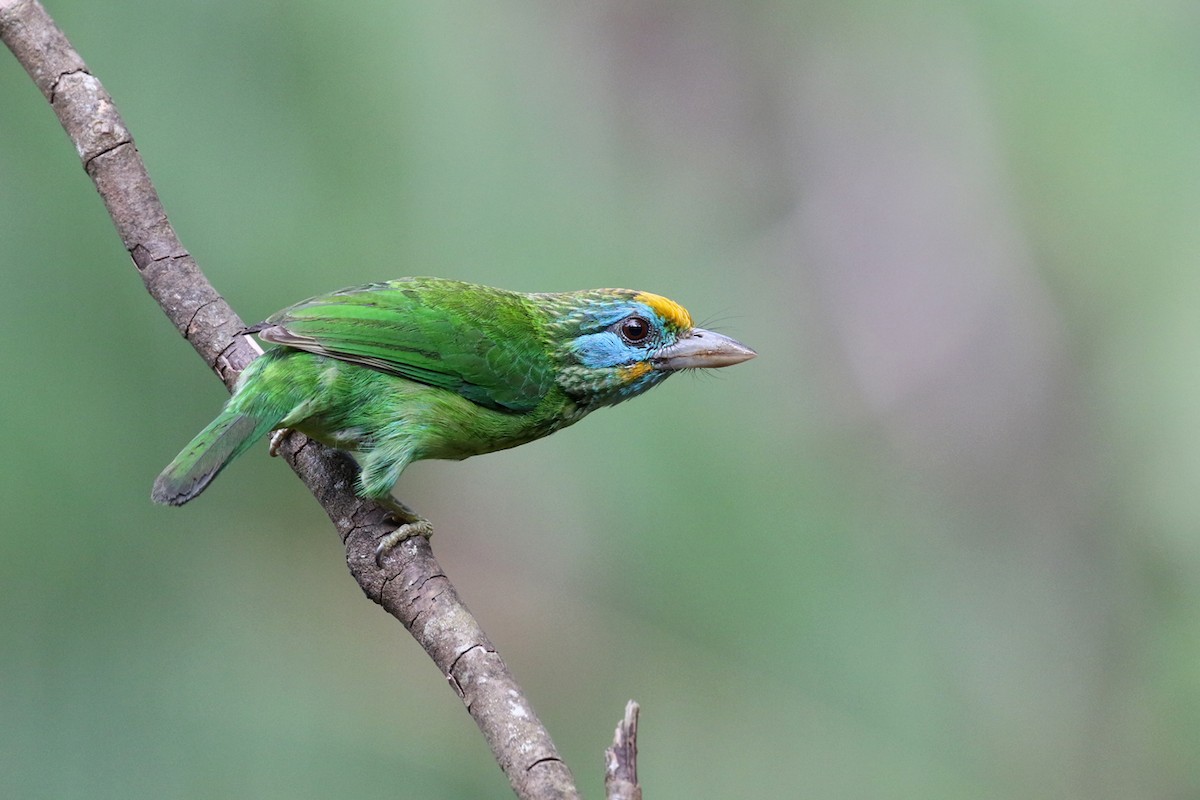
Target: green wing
point(485, 344)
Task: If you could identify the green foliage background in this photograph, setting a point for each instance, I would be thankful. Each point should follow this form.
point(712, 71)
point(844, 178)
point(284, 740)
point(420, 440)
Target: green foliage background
point(938, 541)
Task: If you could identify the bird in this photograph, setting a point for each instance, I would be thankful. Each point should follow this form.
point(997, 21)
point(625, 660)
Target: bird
point(430, 368)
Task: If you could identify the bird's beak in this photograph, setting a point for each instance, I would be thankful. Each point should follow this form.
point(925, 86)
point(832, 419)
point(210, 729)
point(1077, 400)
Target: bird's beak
point(701, 348)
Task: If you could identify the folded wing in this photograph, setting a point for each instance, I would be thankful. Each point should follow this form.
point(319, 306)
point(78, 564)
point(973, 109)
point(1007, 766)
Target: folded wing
point(488, 345)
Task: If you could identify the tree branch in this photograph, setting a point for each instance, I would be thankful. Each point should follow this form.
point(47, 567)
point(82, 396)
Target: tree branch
point(415, 589)
point(620, 760)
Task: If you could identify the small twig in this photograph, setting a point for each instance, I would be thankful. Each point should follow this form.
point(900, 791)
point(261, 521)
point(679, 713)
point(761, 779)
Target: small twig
point(620, 760)
point(417, 592)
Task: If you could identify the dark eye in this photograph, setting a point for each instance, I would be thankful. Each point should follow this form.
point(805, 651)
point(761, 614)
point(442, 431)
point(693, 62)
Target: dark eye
point(635, 330)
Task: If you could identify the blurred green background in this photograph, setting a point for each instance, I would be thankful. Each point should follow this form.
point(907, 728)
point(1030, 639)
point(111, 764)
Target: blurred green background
point(938, 541)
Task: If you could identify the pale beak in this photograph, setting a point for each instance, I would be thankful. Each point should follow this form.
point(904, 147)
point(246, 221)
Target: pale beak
point(701, 348)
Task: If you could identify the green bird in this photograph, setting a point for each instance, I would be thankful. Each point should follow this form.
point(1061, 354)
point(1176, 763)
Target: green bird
point(432, 368)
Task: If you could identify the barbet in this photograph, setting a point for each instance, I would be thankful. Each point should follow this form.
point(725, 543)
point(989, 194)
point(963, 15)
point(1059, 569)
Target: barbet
point(431, 368)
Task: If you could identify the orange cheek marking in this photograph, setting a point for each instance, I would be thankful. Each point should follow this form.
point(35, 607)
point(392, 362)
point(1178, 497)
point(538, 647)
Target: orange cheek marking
point(631, 372)
point(675, 315)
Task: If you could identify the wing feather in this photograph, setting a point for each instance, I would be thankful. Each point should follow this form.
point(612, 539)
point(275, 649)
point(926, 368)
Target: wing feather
point(488, 345)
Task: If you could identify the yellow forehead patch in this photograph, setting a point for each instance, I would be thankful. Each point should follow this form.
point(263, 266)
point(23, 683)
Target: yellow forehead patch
point(674, 314)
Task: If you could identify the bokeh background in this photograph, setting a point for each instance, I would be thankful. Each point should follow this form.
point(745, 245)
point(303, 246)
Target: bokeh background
point(940, 540)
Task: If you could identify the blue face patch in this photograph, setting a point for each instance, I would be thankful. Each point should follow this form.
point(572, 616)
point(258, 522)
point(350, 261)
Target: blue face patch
point(610, 341)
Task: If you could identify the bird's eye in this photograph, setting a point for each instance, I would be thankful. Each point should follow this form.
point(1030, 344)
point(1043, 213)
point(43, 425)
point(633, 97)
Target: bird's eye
point(634, 330)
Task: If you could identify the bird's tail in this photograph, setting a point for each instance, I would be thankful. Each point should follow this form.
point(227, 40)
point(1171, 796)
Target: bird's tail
point(225, 438)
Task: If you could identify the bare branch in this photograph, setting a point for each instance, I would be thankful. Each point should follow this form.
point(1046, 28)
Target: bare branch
point(415, 590)
point(620, 760)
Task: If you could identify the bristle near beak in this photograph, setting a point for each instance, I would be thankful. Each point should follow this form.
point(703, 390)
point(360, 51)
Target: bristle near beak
point(700, 348)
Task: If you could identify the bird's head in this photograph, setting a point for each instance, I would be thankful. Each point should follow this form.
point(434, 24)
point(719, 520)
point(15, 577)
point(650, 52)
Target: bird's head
point(613, 344)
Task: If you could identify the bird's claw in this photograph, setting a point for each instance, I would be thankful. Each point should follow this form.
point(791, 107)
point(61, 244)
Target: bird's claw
point(415, 527)
point(276, 441)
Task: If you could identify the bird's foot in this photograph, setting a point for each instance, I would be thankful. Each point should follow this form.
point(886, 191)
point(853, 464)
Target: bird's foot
point(410, 524)
point(276, 440)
